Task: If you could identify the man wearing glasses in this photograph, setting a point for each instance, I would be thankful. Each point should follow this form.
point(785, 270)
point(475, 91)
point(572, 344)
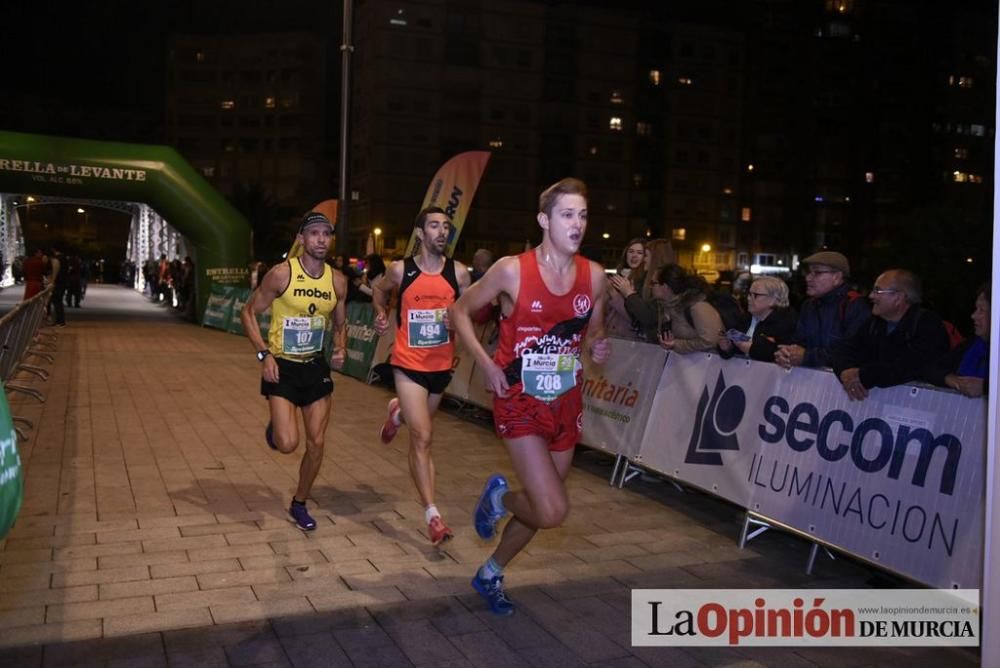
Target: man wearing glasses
point(831, 315)
point(900, 338)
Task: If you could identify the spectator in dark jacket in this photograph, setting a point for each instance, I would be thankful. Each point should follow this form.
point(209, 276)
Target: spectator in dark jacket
point(899, 339)
point(771, 322)
point(829, 317)
point(966, 368)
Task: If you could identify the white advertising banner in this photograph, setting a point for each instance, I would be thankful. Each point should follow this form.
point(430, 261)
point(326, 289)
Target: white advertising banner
point(618, 395)
point(896, 479)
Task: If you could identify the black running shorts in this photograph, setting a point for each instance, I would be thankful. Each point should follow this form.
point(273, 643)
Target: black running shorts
point(302, 383)
point(435, 382)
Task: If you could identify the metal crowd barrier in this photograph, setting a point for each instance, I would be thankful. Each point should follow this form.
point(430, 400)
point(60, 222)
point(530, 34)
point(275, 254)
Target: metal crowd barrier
point(21, 337)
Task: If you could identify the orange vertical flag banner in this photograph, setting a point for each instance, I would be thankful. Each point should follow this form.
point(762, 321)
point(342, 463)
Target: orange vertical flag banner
point(452, 189)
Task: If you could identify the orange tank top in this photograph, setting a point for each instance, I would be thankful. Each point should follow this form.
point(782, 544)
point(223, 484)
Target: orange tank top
point(423, 343)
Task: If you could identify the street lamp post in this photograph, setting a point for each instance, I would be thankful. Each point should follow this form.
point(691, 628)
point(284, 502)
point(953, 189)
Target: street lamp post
point(378, 239)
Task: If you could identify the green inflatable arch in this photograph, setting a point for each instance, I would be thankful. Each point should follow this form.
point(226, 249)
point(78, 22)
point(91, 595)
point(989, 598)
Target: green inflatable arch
point(154, 175)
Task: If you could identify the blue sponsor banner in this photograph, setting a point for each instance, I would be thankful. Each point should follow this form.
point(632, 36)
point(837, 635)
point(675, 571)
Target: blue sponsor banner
point(896, 479)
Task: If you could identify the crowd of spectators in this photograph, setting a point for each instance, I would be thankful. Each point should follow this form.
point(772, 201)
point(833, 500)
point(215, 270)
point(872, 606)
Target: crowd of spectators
point(883, 337)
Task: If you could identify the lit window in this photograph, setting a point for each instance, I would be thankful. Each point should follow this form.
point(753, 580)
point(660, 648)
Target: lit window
point(685, 81)
point(496, 142)
point(615, 123)
point(961, 153)
point(228, 104)
point(269, 102)
point(977, 130)
point(593, 150)
point(398, 19)
point(745, 214)
point(869, 177)
point(951, 79)
point(644, 129)
point(679, 233)
point(654, 77)
point(959, 177)
point(975, 178)
point(727, 191)
point(200, 56)
point(965, 82)
point(208, 171)
point(616, 97)
point(750, 167)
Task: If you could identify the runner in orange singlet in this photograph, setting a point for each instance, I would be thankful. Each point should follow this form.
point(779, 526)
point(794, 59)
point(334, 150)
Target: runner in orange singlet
point(424, 348)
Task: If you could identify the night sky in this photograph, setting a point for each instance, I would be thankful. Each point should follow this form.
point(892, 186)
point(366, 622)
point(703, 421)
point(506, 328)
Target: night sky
point(77, 67)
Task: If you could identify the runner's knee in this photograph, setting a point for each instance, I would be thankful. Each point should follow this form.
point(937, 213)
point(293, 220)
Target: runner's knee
point(420, 438)
point(552, 512)
point(286, 442)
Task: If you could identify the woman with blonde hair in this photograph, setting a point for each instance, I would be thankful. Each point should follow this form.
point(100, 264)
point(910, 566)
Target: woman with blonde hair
point(771, 323)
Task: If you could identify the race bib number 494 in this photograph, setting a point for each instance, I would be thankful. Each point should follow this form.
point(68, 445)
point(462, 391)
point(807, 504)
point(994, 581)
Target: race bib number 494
point(546, 377)
point(425, 328)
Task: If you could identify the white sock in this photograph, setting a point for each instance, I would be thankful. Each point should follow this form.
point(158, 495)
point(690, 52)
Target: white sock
point(430, 512)
point(489, 570)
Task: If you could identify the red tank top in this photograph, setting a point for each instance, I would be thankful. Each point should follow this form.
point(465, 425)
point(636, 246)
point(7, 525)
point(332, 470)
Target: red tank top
point(422, 342)
point(544, 323)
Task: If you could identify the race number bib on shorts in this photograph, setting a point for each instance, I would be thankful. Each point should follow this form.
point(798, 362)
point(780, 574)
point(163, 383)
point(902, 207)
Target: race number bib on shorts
point(302, 336)
point(546, 377)
point(426, 328)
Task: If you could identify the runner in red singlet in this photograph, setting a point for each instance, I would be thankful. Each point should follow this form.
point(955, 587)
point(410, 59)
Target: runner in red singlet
point(424, 348)
point(552, 304)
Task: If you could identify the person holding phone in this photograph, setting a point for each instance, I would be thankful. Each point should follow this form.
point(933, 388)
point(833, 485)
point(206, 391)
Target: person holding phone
point(629, 274)
point(642, 306)
point(772, 322)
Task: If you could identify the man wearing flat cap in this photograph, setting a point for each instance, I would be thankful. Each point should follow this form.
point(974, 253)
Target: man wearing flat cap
point(831, 316)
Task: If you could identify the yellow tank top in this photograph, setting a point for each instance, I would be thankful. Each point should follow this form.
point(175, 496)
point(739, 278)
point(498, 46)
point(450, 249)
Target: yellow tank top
point(300, 315)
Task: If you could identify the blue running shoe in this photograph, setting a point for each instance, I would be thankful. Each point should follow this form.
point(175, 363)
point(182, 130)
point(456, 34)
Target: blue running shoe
point(301, 517)
point(269, 436)
point(492, 591)
point(488, 512)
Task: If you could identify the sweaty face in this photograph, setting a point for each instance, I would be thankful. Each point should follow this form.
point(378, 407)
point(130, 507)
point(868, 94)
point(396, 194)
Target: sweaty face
point(821, 279)
point(435, 232)
point(567, 222)
point(635, 255)
point(981, 318)
point(315, 241)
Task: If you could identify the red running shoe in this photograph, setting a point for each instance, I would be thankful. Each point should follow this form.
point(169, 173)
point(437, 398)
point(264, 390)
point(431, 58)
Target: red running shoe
point(389, 427)
point(438, 531)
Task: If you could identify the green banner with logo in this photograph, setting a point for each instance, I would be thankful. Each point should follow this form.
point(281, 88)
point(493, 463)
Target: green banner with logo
point(240, 296)
point(11, 478)
point(219, 309)
point(156, 175)
point(361, 339)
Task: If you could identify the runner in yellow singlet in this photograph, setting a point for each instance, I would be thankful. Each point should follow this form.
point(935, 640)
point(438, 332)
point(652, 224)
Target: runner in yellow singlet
point(306, 297)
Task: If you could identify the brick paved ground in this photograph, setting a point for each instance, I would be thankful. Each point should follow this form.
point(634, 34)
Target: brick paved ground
point(153, 532)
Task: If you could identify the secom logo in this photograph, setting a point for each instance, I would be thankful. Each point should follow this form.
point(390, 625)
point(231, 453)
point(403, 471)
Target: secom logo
point(715, 423)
